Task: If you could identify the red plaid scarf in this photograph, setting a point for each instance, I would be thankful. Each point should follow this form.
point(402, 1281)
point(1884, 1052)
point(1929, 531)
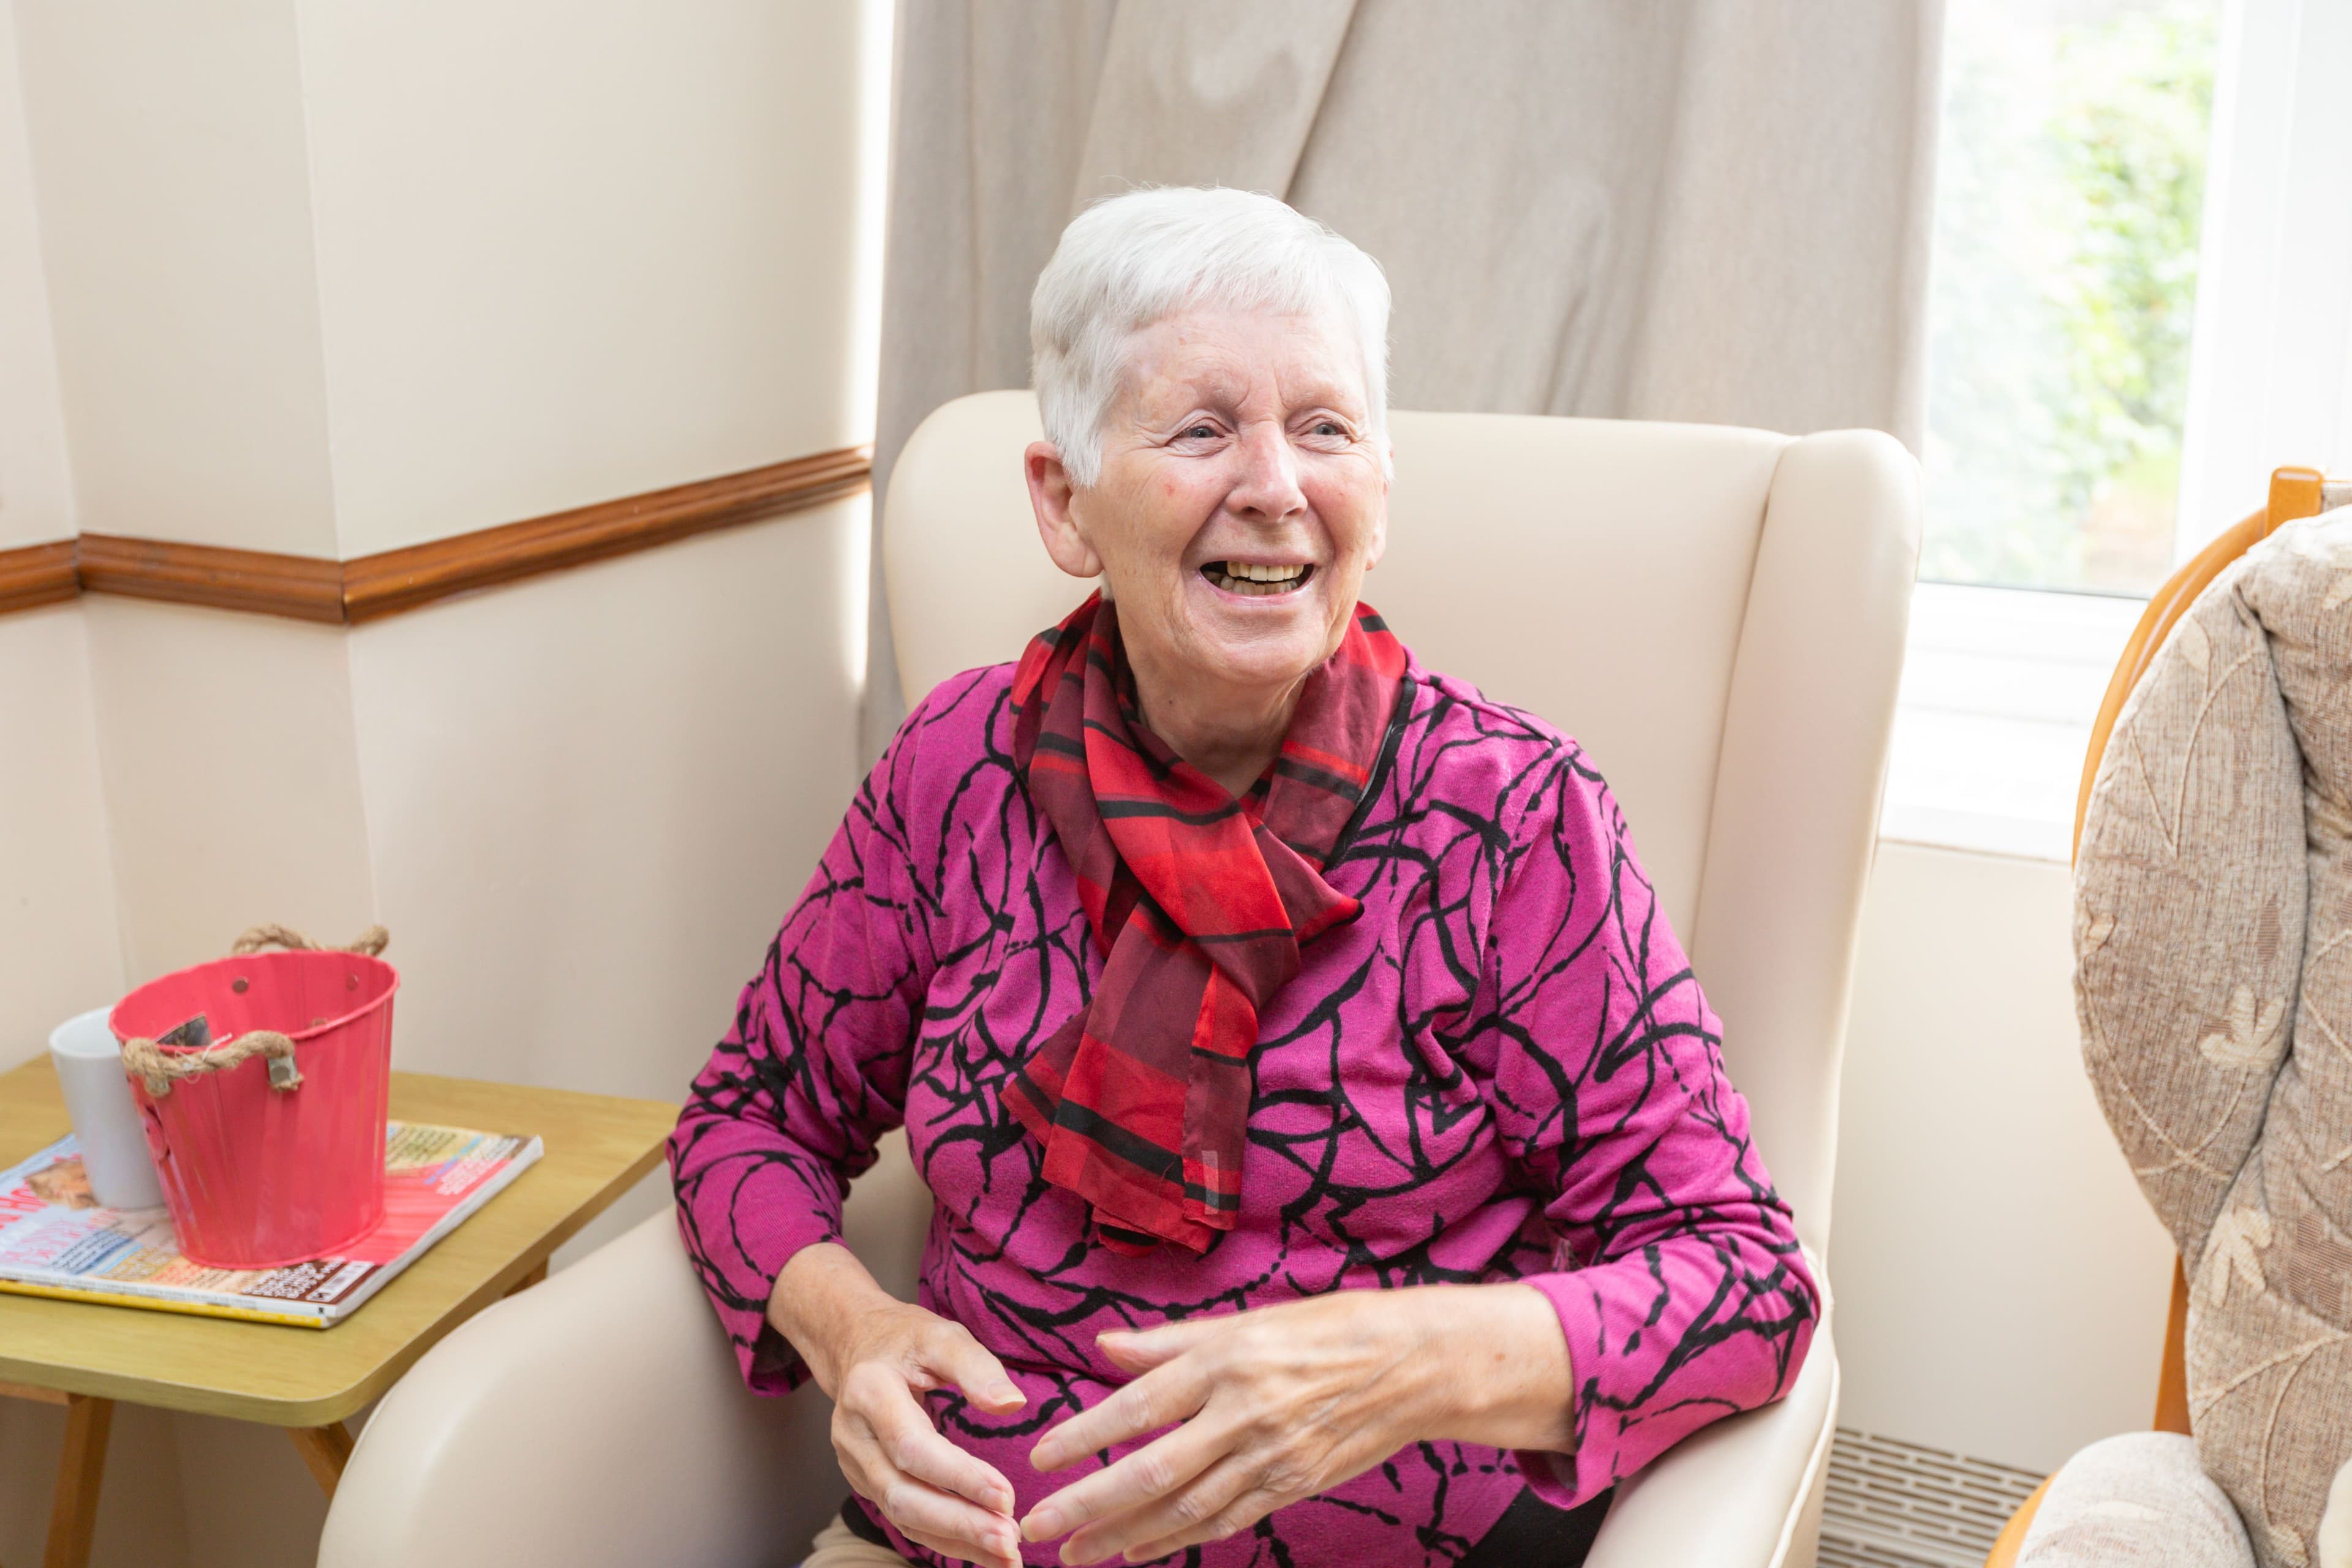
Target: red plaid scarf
point(1199, 900)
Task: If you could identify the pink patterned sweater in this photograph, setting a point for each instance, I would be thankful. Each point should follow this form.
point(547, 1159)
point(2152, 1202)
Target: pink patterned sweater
point(1504, 1069)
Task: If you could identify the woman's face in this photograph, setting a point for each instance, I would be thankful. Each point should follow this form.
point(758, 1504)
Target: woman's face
point(1242, 498)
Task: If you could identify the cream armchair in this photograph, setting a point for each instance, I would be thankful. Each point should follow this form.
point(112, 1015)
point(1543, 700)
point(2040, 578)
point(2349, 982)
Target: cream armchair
point(1717, 614)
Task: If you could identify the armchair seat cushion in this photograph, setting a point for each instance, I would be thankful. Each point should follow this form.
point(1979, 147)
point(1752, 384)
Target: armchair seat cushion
point(2141, 1500)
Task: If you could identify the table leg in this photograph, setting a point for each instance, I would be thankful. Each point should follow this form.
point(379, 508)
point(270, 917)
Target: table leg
point(326, 1449)
point(73, 1516)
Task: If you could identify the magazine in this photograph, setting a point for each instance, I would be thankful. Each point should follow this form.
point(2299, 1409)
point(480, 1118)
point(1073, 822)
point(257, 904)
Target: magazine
point(57, 1239)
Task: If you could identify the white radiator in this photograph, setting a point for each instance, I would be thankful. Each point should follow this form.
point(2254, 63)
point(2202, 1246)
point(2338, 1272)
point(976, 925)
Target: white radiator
point(1892, 1504)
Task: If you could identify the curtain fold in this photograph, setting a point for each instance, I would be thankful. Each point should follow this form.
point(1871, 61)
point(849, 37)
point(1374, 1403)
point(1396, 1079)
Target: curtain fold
point(1186, 98)
point(989, 106)
point(1657, 209)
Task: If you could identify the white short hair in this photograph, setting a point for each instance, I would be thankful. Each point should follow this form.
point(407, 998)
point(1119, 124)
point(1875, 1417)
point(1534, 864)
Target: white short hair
point(1140, 258)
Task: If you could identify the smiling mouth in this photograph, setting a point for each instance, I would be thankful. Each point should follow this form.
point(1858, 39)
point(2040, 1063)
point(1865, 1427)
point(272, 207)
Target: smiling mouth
point(1259, 582)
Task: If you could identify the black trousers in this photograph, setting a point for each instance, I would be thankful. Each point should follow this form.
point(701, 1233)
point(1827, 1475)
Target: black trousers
point(1534, 1534)
point(1530, 1534)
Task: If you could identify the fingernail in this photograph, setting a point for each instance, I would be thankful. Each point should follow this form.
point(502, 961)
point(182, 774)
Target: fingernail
point(1002, 1392)
point(1040, 1525)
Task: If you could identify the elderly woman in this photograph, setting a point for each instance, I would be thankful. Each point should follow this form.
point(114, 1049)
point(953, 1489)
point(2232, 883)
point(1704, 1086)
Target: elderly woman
point(1332, 1156)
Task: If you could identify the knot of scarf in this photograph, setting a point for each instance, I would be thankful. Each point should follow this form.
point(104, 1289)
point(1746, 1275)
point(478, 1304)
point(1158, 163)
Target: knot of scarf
point(1199, 901)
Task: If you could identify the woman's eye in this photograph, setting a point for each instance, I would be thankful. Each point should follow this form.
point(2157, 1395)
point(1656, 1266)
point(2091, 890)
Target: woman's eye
point(1328, 427)
point(1200, 433)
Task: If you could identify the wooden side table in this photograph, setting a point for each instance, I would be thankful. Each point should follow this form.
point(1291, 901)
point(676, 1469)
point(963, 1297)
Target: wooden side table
point(85, 1357)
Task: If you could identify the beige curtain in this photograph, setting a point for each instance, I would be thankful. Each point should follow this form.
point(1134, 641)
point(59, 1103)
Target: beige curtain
point(1711, 210)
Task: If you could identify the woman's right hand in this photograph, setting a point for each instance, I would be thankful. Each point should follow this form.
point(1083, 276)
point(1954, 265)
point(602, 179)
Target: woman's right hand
point(876, 1356)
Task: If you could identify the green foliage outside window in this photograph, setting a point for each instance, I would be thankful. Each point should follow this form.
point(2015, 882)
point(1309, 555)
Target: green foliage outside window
point(2070, 192)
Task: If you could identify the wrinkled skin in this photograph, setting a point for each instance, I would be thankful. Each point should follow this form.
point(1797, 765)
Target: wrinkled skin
point(1283, 1403)
point(1240, 436)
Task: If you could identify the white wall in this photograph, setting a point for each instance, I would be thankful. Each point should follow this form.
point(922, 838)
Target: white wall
point(328, 280)
point(59, 951)
point(561, 253)
point(2002, 1287)
point(570, 251)
point(591, 798)
point(57, 894)
point(175, 220)
point(231, 778)
point(36, 490)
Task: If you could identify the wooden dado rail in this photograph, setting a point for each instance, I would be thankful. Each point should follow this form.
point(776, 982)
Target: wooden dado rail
point(307, 588)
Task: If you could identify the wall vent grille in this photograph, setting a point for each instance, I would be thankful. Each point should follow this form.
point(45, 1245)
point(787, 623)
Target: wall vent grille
point(1892, 1504)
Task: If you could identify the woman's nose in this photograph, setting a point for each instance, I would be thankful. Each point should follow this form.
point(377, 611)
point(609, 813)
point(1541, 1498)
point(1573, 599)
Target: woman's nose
point(1269, 483)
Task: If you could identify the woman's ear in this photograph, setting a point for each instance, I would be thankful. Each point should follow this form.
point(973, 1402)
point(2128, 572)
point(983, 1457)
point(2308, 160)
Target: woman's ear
point(1380, 543)
point(1053, 497)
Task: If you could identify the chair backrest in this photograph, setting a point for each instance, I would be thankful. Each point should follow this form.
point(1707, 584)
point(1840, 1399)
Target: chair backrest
point(2295, 493)
point(1716, 613)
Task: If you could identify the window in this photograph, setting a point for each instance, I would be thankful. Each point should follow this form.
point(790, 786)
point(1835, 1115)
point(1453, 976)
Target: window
point(2070, 187)
point(2071, 192)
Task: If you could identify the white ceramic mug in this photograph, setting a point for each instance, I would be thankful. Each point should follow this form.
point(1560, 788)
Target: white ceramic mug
point(105, 1118)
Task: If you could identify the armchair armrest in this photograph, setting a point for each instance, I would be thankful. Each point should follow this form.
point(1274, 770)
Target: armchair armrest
point(2011, 1539)
point(595, 1419)
point(1744, 1493)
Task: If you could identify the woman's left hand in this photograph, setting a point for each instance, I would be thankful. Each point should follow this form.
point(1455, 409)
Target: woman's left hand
point(1283, 1403)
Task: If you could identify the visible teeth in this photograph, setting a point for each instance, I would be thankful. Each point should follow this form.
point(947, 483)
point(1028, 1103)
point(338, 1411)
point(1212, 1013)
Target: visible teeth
point(1254, 579)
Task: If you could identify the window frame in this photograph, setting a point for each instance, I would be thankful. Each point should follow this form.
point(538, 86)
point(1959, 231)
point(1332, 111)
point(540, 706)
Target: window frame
point(2275, 254)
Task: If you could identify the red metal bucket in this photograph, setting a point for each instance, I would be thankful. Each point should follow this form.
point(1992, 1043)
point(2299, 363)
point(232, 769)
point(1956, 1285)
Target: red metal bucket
point(256, 1177)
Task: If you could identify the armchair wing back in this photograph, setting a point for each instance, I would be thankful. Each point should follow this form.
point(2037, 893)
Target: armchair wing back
point(1716, 613)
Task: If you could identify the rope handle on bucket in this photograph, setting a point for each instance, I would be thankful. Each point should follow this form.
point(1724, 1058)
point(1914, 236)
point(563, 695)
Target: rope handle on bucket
point(159, 1070)
point(370, 941)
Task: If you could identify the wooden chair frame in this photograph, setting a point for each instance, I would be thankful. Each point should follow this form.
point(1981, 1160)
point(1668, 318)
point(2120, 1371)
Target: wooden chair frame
point(2294, 493)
